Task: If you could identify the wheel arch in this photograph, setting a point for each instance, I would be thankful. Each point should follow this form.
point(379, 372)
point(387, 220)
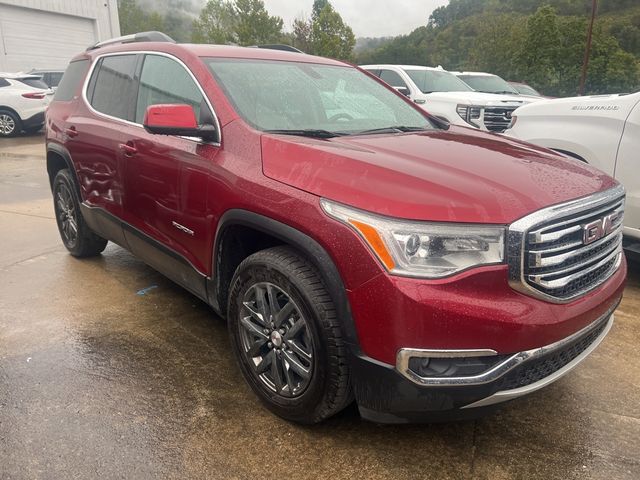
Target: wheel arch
point(59, 158)
point(258, 232)
point(9, 109)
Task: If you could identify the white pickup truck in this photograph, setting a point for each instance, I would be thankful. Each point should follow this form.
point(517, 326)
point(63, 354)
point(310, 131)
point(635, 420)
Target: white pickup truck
point(444, 95)
point(602, 130)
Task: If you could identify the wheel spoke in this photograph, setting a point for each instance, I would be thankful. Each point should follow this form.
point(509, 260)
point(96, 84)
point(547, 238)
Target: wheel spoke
point(255, 314)
point(276, 373)
point(253, 328)
point(266, 362)
point(263, 307)
point(295, 329)
point(296, 366)
point(298, 350)
point(284, 313)
point(255, 348)
point(289, 379)
point(272, 300)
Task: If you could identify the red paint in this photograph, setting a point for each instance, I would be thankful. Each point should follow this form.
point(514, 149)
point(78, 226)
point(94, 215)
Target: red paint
point(460, 175)
point(172, 116)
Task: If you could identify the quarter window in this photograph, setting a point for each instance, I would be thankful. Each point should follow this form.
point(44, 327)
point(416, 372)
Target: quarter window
point(112, 86)
point(163, 80)
point(71, 80)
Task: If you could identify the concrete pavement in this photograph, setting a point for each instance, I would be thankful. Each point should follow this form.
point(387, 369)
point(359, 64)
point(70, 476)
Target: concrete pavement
point(102, 376)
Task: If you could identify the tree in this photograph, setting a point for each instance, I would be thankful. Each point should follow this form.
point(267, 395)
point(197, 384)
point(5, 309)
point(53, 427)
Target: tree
point(330, 36)
point(216, 24)
point(302, 30)
point(255, 25)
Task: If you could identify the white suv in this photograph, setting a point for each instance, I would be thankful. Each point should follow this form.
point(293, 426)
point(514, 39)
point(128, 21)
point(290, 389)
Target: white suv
point(444, 95)
point(23, 100)
point(602, 130)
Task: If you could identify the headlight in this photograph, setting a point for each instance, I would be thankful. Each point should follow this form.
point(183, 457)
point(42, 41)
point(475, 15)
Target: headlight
point(469, 113)
point(421, 249)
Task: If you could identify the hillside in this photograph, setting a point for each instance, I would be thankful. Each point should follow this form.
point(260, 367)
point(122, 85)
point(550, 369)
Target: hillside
point(540, 42)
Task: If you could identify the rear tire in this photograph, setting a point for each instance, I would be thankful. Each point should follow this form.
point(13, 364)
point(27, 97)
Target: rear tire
point(76, 235)
point(287, 338)
point(10, 124)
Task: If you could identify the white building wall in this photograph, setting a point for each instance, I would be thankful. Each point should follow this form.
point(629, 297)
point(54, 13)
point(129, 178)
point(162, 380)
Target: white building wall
point(48, 33)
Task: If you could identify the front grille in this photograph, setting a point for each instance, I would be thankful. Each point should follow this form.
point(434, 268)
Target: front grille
point(570, 253)
point(498, 119)
point(535, 370)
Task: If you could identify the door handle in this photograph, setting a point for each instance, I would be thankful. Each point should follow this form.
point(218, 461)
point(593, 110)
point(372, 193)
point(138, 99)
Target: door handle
point(128, 148)
point(71, 131)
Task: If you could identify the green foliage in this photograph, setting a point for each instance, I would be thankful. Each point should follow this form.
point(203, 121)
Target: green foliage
point(216, 23)
point(540, 42)
point(133, 19)
point(330, 36)
point(255, 25)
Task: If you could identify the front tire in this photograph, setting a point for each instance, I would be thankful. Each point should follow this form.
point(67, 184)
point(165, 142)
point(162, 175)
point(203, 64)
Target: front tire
point(286, 336)
point(76, 235)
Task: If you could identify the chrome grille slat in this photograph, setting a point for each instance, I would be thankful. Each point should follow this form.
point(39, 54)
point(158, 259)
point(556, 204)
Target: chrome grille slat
point(568, 278)
point(497, 119)
point(563, 252)
point(540, 262)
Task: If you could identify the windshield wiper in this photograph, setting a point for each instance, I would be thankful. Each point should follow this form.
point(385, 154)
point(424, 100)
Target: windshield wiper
point(393, 129)
point(307, 132)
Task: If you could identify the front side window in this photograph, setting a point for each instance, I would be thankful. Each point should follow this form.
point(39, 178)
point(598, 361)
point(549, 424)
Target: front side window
point(392, 78)
point(429, 81)
point(277, 95)
point(111, 86)
point(162, 81)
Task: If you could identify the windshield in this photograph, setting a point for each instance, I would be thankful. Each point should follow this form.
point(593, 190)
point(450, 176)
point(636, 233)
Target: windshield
point(436, 81)
point(488, 83)
point(288, 96)
point(525, 89)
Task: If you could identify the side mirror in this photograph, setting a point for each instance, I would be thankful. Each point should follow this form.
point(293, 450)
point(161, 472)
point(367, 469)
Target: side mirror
point(179, 120)
point(403, 90)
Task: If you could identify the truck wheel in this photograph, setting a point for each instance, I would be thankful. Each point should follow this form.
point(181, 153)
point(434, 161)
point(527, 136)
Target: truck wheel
point(76, 235)
point(10, 124)
point(286, 336)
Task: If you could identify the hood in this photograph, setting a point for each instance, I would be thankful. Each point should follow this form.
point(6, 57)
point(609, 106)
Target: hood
point(618, 106)
point(459, 175)
point(479, 98)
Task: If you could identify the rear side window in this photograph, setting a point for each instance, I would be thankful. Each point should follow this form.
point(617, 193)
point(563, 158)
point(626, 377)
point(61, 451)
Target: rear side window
point(71, 80)
point(164, 80)
point(33, 82)
point(4, 83)
point(112, 86)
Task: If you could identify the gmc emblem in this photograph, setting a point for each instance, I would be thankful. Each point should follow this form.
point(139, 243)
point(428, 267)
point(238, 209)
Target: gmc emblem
point(599, 228)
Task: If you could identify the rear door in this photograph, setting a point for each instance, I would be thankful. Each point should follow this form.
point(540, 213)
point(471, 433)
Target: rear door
point(94, 137)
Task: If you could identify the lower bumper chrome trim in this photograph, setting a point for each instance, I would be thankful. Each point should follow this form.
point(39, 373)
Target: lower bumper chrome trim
point(506, 395)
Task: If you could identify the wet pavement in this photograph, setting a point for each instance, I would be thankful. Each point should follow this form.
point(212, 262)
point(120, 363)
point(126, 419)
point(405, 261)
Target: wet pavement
point(103, 376)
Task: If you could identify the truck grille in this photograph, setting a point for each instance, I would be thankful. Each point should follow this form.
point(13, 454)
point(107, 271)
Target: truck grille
point(570, 252)
point(497, 119)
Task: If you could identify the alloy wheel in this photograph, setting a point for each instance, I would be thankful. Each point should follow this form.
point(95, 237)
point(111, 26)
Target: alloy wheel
point(276, 339)
point(66, 212)
point(7, 124)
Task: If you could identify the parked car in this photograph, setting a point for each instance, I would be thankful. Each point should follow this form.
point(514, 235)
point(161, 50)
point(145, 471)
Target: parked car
point(601, 130)
point(423, 269)
point(50, 77)
point(443, 95)
point(524, 89)
point(23, 100)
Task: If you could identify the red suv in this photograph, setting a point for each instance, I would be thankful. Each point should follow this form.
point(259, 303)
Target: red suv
point(358, 248)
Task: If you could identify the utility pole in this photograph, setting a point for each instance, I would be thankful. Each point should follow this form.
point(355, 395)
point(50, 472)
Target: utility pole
point(587, 50)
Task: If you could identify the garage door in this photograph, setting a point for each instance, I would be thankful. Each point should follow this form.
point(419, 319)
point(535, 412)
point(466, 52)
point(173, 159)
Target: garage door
point(37, 39)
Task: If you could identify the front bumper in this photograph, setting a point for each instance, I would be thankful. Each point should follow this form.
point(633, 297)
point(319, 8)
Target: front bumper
point(398, 395)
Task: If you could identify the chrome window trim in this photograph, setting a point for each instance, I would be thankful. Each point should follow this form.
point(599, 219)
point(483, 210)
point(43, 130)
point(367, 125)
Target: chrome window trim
point(517, 231)
point(405, 354)
point(139, 125)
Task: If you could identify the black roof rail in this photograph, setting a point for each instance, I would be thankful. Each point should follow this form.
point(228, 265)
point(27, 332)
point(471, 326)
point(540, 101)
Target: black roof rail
point(135, 37)
point(278, 46)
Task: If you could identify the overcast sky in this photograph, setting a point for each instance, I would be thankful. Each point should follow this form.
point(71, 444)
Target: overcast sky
point(367, 18)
